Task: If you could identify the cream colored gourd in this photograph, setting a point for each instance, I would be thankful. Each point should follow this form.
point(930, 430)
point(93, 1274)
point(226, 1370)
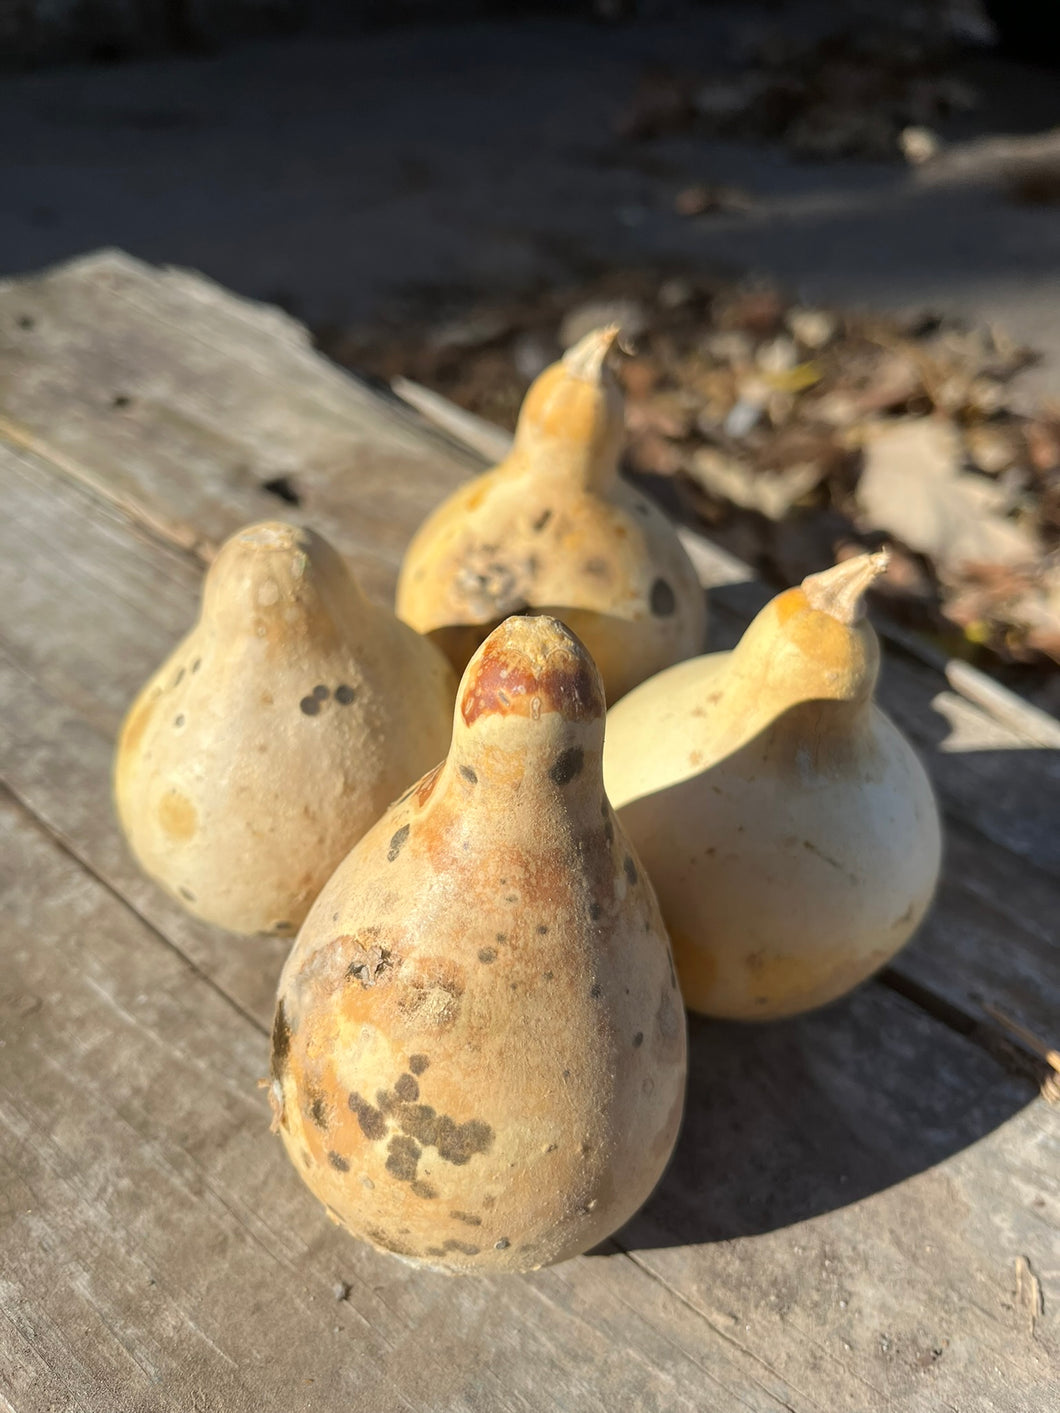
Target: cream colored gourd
point(786, 823)
point(276, 733)
point(554, 529)
point(478, 1055)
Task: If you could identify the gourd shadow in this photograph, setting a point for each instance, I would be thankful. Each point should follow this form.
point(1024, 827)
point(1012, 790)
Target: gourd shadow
point(787, 1120)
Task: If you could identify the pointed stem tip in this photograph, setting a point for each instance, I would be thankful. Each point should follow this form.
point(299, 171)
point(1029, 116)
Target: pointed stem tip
point(839, 591)
point(588, 357)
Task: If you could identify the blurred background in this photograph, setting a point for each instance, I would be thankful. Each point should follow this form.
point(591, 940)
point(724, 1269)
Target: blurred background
point(830, 231)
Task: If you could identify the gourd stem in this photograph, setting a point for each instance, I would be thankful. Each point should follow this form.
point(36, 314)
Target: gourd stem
point(586, 358)
point(839, 591)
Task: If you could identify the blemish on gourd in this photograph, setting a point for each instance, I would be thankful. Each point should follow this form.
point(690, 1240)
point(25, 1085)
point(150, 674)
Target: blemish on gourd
point(281, 1042)
point(542, 520)
point(567, 766)
point(318, 1111)
point(468, 1218)
point(321, 692)
point(418, 1063)
point(186, 894)
point(662, 599)
point(337, 1161)
point(596, 912)
point(406, 1089)
point(345, 694)
point(424, 1189)
point(370, 961)
point(372, 1123)
point(310, 706)
point(469, 775)
point(502, 1245)
point(638, 1040)
point(177, 815)
point(403, 1156)
point(487, 955)
point(397, 842)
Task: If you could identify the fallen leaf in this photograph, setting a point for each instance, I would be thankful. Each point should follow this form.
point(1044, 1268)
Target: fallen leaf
point(771, 493)
point(911, 486)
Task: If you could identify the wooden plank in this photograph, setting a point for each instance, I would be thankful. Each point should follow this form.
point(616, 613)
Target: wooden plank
point(159, 1252)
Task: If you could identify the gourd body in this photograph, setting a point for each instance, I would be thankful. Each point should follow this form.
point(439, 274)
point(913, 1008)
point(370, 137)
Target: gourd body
point(554, 529)
point(788, 826)
point(276, 733)
point(479, 1046)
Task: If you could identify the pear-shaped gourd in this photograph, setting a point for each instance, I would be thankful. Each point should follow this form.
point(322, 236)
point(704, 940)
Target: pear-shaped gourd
point(276, 733)
point(555, 529)
point(478, 1056)
point(788, 826)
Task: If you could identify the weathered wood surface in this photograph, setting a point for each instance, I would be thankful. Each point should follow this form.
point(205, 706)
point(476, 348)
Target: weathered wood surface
point(863, 1211)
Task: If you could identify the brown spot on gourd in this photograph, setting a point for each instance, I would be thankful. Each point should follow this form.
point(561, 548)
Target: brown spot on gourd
point(418, 1063)
point(390, 1243)
point(503, 681)
point(456, 1143)
point(403, 1156)
point(463, 1247)
point(406, 1089)
point(344, 694)
point(177, 815)
point(469, 775)
point(567, 766)
point(424, 1190)
point(318, 1111)
point(542, 520)
point(397, 842)
point(321, 692)
point(468, 1218)
point(487, 955)
point(186, 893)
point(662, 599)
point(373, 1124)
point(337, 1161)
point(310, 706)
point(281, 1042)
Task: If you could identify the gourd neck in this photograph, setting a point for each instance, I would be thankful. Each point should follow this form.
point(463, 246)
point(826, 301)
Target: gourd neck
point(571, 424)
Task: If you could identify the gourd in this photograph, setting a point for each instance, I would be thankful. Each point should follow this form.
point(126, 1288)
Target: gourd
point(276, 733)
point(554, 529)
point(789, 828)
point(478, 1056)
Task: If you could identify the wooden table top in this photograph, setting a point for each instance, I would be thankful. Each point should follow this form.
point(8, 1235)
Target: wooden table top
point(864, 1208)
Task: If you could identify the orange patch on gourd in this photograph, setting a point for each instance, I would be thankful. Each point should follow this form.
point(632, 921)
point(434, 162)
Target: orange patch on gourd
point(177, 815)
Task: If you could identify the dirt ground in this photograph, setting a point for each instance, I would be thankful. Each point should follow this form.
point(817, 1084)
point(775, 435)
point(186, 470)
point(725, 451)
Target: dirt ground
point(420, 173)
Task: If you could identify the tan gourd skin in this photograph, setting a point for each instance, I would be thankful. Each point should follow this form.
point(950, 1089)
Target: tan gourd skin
point(555, 528)
point(786, 823)
point(276, 733)
point(479, 1047)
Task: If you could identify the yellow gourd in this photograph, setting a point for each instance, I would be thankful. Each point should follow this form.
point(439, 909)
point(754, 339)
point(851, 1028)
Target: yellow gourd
point(786, 823)
point(555, 529)
point(478, 1056)
point(276, 733)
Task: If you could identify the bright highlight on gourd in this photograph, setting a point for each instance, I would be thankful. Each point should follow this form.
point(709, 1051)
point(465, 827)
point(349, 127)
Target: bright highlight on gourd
point(788, 826)
point(478, 1058)
point(554, 529)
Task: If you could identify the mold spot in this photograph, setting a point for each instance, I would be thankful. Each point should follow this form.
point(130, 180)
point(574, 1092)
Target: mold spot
point(502, 937)
point(487, 954)
point(390, 1243)
point(502, 1245)
point(456, 1143)
point(547, 975)
point(597, 567)
point(542, 520)
point(462, 1247)
point(542, 928)
point(344, 694)
point(596, 991)
point(662, 600)
point(310, 706)
point(631, 871)
point(196, 664)
point(418, 1063)
point(178, 720)
point(638, 1040)
point(318, 1111)
point(403, 1155)
point(407, 1090)
point(469, 775)
point(424, 1190)
point(567, 766)
point(596, 911)
point(186, 894)
point(321, 692)
point(468, 1218)
point(397, 842)
point(337, 1161)
point(281, 1042)
point(372, 1123)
